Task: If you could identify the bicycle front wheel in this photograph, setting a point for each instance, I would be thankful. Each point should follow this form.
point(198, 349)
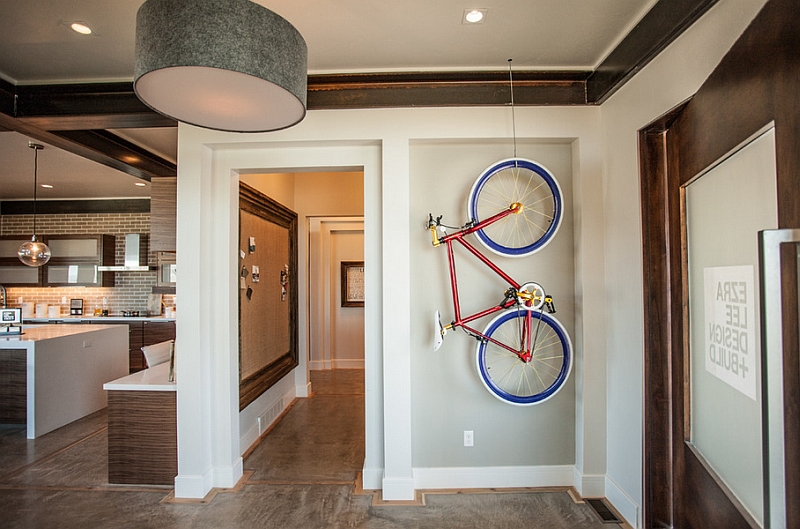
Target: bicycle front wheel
point(523, 182)
point(513, 380)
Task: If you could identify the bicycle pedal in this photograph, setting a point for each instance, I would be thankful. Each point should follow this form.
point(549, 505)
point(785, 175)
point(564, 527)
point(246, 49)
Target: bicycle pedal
point(439, 332)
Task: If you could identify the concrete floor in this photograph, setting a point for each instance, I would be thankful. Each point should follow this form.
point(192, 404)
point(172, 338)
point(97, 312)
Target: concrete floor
point(301, 475)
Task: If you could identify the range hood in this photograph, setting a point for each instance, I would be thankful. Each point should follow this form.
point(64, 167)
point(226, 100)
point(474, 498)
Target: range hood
point(135, 256)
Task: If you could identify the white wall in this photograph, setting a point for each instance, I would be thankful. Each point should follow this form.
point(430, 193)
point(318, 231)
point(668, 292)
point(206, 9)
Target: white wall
point(448, 395)
point(346, 323)
point(325, 328)
point(382, 142)
point(668, 80)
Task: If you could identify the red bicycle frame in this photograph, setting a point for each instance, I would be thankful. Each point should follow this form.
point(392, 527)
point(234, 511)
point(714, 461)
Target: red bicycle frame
point(511, 298)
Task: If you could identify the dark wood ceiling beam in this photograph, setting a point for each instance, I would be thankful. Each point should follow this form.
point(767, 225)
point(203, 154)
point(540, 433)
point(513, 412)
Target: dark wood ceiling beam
point(85, 106)
point(69, 145)
point(445, 89)
point(72, 118)
point(7, 97)
point(109, 144)
point(665, 22)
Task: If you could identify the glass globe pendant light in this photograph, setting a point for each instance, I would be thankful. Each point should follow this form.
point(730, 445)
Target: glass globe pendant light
point(34, 253)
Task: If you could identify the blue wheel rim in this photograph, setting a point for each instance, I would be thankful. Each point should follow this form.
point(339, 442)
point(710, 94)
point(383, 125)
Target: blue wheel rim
point(547, 393)
point(548, 179)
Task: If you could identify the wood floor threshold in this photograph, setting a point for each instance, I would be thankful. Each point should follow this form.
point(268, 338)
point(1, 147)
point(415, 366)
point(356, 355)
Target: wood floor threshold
point(22, 469)
point(420, 495)
point(98, 488)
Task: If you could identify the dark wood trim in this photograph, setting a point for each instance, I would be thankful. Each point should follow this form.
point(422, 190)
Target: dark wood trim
point(146, 163)
point(445, 89)
point(68, 145)
point(658, 389)
point(660, 26)
point(254, 202)
point(7, 98)
point(791, 377)
point(63, 207)
point(86, 99)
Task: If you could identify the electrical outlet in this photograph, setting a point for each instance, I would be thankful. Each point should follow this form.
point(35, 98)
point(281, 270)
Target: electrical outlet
point(469, 438)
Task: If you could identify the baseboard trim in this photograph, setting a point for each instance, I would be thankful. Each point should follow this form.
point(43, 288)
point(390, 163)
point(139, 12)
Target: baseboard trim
point(194, 486)
point(590, 485)
point(228, 477)
point(348, 363)
point(340, 363)
point(493, 477)
point(372, 478)
point(624, 504)
point(395, 489)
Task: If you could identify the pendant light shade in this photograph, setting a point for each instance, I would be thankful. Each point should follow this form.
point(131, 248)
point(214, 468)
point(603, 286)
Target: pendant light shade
point(230, 65)
point(34, 253)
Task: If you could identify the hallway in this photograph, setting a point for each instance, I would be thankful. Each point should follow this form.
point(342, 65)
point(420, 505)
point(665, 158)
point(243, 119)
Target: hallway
point(301, 475)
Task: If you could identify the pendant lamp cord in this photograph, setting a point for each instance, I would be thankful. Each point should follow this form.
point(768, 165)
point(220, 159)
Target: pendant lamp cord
point(35, 175)
point(513, 120)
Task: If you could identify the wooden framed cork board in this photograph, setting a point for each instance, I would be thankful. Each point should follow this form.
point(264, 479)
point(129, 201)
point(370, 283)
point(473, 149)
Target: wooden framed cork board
point(267, 293)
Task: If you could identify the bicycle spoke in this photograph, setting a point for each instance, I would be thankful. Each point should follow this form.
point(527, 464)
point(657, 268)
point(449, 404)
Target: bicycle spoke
point(506, 374)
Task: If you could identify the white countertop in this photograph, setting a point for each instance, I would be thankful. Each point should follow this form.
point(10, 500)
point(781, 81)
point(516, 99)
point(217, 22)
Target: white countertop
point(152, 379)
point(38, 333)
point(96, 319)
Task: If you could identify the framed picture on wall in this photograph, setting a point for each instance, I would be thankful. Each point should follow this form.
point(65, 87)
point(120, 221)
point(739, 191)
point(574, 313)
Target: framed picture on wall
point(352, 283)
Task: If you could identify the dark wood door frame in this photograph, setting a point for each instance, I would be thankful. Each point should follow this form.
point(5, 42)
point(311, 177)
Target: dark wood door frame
point(754, 85)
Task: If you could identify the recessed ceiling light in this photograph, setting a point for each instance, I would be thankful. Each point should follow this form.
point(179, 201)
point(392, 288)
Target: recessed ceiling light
point(140, 184)
point(47, 186)
point(81, 27)
point(473, 16)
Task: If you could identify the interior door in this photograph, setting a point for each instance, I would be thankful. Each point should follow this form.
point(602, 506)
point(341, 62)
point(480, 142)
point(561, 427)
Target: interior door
point(720, 437)
point(722, 384)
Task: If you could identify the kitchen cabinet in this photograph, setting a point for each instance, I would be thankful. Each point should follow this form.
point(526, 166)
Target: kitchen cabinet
point(73, 262)
point(142, 428)
point(75, 258)
point(143, 333)
point(163, 200)
point(12, 271)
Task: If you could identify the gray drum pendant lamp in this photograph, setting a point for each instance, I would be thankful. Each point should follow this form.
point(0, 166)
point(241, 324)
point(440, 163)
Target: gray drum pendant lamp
point(33, 252)
point(229, 65)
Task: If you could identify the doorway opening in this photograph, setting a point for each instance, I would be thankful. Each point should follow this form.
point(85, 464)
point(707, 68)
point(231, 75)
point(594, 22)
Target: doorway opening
point(330, 209)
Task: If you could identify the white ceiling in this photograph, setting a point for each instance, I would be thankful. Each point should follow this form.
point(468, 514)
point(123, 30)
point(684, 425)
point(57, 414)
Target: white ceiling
point(343, 36)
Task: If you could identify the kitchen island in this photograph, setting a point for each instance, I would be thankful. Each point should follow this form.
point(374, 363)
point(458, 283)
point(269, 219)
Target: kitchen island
point(143, 428)
point(52, 375)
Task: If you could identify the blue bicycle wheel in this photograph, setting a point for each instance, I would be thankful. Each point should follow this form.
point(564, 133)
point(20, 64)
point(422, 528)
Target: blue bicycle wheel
point(528, 184)
point(514, 380)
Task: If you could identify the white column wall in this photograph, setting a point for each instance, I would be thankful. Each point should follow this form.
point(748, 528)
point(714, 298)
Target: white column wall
point(669, 79)
point(378, 141)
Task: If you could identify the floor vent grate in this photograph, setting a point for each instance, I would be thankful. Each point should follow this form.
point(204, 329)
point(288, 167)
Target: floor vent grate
point(603, 511)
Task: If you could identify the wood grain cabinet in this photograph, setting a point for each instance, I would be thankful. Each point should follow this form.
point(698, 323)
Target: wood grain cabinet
point(75, 258)
point(73, 262)
point(163, 200)
point(12, 271)
point(143, 333)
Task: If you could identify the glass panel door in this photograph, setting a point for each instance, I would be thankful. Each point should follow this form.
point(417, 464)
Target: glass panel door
point(726, 207)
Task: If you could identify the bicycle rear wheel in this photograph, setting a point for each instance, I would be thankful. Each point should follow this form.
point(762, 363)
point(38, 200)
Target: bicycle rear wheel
point(513, 380)
point(516, 180)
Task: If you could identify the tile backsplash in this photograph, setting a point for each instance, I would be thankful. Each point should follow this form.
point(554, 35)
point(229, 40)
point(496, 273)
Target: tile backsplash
point(131, 288)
